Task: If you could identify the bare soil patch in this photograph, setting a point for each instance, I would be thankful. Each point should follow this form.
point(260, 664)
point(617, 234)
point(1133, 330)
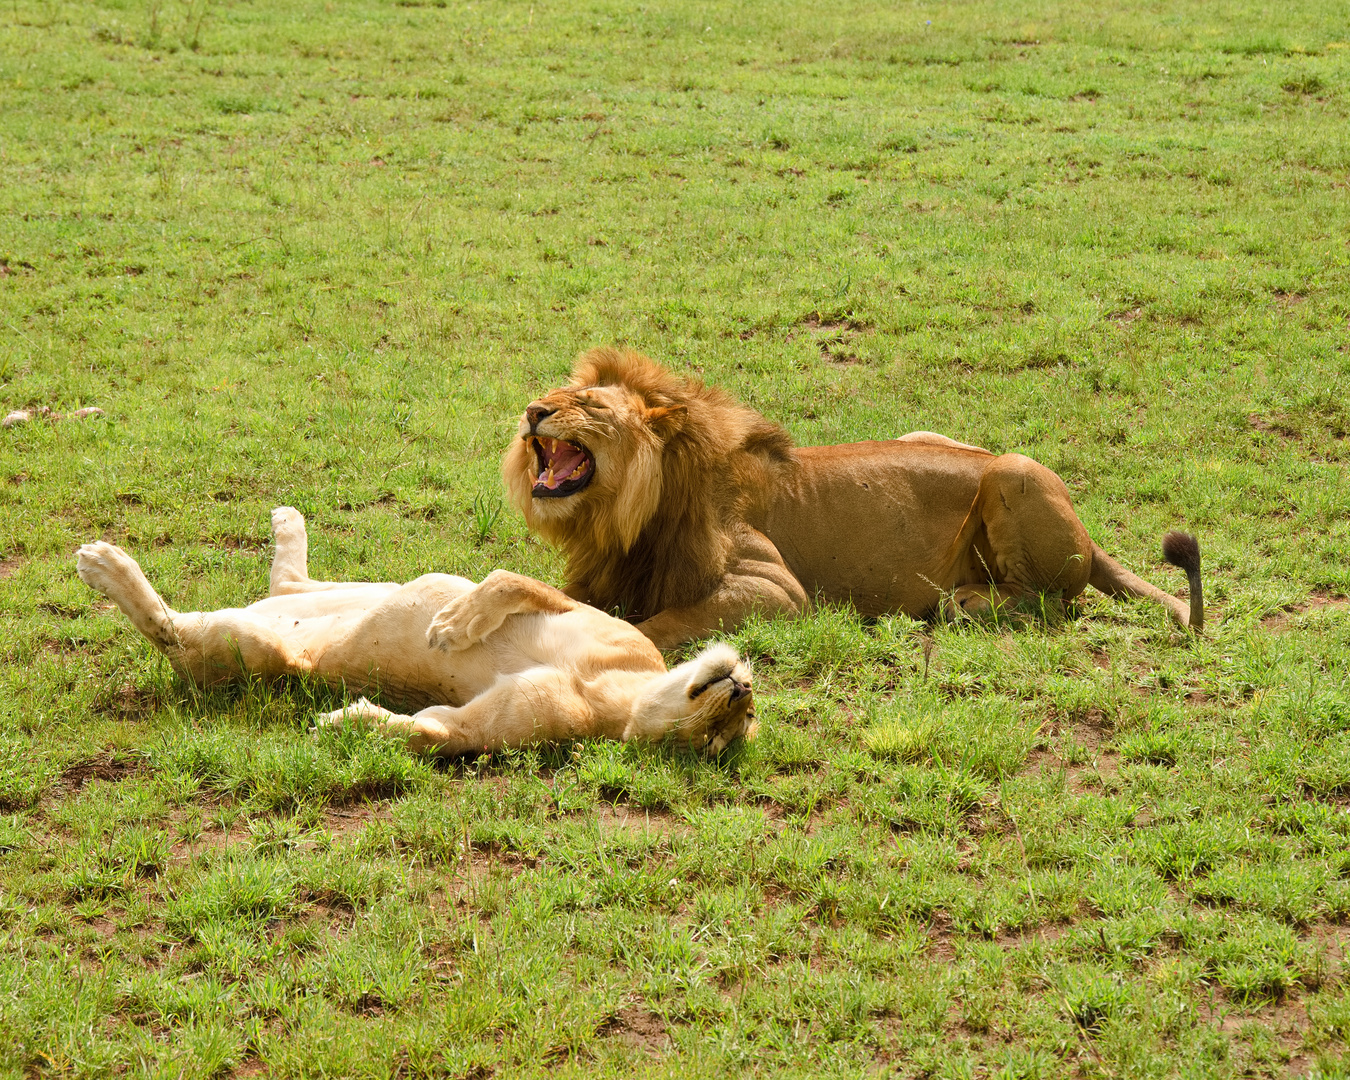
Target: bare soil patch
point(127, 702)
point(837, 355)
point(834, 334)
point(213, 839)
point(834, 324)
point(638, 1027)
point(1286, 1019)
point(1091, 734)
point(1318, 601)
point(103, 926)
point(1273, 425)
point(1046, 933)
point(940, 936)
point(1333, 940)
point(649, 821)
point(249, 545)
point(105, 766)
point(347, 819)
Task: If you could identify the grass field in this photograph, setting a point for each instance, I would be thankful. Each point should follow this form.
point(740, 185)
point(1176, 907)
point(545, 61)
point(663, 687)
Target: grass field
point(323, 254)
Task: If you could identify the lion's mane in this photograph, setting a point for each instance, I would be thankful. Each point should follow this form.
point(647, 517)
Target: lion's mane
point(662, 536)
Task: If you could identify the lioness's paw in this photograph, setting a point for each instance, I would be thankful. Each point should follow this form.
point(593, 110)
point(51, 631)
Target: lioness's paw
point(286, 519)
point(746, 728)
point(360, 710)
point(104, 566)
point(446, 632)
point(461, 624)
point(331, 720)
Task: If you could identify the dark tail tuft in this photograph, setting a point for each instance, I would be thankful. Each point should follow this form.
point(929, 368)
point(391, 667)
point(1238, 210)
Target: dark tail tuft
point(1182, 550)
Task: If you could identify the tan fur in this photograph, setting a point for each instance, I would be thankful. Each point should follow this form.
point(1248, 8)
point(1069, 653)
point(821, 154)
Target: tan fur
point(508, 662)
point(701, 511)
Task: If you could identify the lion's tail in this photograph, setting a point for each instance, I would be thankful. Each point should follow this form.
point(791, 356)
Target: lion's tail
point(1183, 550)
point(1180, 549)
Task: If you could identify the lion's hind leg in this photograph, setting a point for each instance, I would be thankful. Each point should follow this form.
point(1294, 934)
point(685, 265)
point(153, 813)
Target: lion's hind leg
point(468, 619)
point(1004, 600)
point(1035, 538)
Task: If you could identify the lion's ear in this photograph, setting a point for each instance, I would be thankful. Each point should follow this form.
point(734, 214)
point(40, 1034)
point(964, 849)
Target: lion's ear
point(666, 420)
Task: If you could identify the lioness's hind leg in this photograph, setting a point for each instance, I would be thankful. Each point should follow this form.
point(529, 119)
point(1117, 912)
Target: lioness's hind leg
point(290, 563)
point(206, 647)
point(466, 620)
point(110, 570)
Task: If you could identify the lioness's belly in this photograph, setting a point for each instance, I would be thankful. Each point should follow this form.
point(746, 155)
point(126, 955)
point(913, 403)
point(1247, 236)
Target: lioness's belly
point(373, 639)
point(870, 523)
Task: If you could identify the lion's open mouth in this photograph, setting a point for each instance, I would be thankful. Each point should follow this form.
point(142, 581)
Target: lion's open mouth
point(564, 467)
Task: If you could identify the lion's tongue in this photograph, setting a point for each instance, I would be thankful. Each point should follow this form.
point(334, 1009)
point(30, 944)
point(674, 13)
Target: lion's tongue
point(563, 458)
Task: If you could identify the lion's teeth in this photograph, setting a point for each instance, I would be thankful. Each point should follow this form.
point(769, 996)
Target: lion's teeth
point(574, 473)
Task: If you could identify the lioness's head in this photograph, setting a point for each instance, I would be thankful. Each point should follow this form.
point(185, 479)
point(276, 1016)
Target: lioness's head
point(588, 455)
point(707, 702)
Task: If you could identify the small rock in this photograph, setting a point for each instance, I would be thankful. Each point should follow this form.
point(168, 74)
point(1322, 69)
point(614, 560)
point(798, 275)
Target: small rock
point(22, 416)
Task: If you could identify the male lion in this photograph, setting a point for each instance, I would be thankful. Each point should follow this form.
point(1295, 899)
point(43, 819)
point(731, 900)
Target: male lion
point(686, 511)
point(508, 662)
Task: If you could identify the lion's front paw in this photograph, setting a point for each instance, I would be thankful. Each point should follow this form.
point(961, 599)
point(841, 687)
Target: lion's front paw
point(105, 567)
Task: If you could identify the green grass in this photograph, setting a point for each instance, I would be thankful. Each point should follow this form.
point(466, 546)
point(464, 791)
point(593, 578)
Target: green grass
point(323, 254)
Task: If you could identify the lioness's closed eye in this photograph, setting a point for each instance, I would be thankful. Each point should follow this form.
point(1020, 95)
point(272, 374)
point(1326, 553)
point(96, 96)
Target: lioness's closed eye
point(738, 688)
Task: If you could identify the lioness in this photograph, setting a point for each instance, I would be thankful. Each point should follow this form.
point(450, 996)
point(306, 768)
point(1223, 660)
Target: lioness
point(508, 662)
point(686, 511)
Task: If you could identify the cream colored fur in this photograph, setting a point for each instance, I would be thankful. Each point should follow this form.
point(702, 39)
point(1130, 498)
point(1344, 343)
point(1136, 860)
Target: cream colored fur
point(508, 662)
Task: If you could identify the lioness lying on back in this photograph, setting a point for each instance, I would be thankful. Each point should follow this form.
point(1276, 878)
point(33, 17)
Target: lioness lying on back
point(505, 663)
point(687, 511)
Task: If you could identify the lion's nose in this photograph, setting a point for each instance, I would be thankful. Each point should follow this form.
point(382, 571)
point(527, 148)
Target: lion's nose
point(738, 690)
point(535, 413)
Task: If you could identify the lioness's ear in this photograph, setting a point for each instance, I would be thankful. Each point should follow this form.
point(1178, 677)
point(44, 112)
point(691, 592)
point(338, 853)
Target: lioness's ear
point(666, 420)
